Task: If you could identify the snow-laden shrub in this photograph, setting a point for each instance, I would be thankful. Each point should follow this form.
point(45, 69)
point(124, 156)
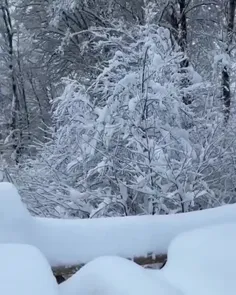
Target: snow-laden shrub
point(128, 144)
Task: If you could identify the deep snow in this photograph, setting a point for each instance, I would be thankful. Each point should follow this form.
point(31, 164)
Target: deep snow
point(71, 242)
point(24, 271)
point(200, 261)
point(203, 261)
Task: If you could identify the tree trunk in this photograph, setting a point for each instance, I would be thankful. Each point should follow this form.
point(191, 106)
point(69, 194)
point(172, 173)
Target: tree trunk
point(23, 100)
point(15, 121)
point(178, 21)
point(226, 93)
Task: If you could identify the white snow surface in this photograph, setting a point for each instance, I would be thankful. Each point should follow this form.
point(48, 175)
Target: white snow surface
point(203, 261)
point(116, 276)
point(15, 220)
point(201, 252)
point(71, 242)
point(24, 271)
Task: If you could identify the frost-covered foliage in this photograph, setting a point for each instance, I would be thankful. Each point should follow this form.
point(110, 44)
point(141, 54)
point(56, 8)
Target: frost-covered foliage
point(128, 144)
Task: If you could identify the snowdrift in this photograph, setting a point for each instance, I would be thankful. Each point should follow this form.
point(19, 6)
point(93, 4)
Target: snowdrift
point(208, 267)
point(203, 261)
point(72, 242)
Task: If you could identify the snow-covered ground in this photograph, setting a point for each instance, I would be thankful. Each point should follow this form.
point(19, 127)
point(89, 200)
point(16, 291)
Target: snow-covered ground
point(201, 261)
point(25, 271)
point(201, 252)
point(70, 242)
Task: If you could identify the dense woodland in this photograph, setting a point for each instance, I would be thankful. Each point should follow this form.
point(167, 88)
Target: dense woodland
point(118, 107)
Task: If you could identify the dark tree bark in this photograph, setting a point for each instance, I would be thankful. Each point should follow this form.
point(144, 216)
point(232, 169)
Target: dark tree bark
point(19, 121)
point(178, 20)
point(15, 99)
point(182, 42)
point(226, 92)
point(24, 114)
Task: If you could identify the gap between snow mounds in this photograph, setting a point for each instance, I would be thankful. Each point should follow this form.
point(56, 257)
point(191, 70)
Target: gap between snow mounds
point(115, 275)
point(75, 242)
point(148, 262)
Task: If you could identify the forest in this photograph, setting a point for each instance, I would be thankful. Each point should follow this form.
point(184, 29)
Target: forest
point(118, 108)
point(117, 147)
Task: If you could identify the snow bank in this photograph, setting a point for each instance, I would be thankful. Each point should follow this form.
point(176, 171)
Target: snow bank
point(116, 276)
point(24, 271)
point(203, 261)
point(70, 242)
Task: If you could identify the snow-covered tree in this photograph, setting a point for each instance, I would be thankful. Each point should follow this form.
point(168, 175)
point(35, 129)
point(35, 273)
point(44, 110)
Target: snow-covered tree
point(124, 144)
point(135, 129)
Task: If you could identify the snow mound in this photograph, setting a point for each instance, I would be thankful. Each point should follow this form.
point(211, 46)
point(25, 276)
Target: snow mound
point(69, 242)
point(203, 261)
point(117, 276)
point(24, 271)
point(11, 201)
point(15, 220)
point(72, 242)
